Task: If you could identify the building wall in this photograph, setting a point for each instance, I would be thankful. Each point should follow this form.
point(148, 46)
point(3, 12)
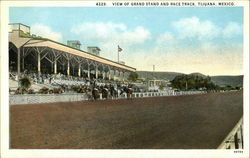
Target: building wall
point(45, 98)
point(23, 28)
point(49, 98)
point(13, 27)
point(94, 50)
point(74, 44)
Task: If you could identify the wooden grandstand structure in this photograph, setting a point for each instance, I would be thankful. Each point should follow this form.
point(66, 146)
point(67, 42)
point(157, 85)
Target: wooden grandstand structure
point(47, 56)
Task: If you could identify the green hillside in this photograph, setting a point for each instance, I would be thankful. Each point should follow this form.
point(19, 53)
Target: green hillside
point(218, 80)
point(228, 80)
point(158, 75)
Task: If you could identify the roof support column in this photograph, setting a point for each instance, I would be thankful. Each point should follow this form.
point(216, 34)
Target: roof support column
point(52, 67)
point(23, 60)
point(38, 62)
point(88, 71)
point(109, 73)
point(115, 74)
point(18, 65)
point(56, 57)
point(123, 76)
point(119, 75)
point(79, 70)
point(55, 67)
point(103, 75)
point(96, 71)
point(68, 68)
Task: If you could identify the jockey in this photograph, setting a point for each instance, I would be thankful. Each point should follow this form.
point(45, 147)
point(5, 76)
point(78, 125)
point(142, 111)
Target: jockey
point(125, 88)
point(115, 86)
point(106, 86)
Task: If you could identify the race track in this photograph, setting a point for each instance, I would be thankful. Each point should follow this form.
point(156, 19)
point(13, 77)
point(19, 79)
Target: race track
point(174, 122)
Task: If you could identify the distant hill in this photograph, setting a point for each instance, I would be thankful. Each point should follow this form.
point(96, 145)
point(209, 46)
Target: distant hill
point(228, 80)
point(158, 75)
point(198, 74)
point(219, 80)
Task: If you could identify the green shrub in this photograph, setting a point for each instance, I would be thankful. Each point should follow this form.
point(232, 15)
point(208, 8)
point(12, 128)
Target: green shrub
point(21, 91)
point(31, 91)
point(44, 90)
point(25, 83)
point(57, 90)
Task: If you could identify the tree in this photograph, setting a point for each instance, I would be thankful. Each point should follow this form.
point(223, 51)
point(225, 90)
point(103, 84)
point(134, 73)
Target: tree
point(161, 87)
point(133, 76)
point(190, 82)
point(25, 83)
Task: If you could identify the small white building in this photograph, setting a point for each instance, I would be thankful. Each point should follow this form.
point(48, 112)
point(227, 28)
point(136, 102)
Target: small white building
point(156, 84)
point(74, 43)
point(94, 50)
point(19, 27)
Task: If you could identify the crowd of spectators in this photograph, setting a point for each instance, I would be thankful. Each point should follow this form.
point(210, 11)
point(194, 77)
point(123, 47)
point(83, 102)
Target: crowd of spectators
point(71, 83)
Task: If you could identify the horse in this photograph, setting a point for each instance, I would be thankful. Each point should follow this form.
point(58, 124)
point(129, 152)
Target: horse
point(114, 92)
point(87, 91)
point(105, 93)
point(129, 93)
point(95, 93)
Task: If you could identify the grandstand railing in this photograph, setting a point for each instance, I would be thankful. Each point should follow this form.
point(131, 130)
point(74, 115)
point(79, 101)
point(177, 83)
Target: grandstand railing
point(166, 93)
point(234, 139)
point(68, 97)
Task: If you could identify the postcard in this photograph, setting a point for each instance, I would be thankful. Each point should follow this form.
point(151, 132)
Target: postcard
point(125, 79)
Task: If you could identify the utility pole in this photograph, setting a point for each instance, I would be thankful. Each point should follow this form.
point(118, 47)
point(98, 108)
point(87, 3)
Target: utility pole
point(153, 71)
point(154, 75)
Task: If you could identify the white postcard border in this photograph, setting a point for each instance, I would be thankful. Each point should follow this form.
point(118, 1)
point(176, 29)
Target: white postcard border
point(6, 152)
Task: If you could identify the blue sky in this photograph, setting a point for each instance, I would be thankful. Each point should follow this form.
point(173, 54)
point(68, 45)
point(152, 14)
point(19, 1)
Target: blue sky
point(187, 39)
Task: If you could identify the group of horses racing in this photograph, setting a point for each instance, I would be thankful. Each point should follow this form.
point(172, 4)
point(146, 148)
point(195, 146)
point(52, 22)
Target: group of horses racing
point(107, 91)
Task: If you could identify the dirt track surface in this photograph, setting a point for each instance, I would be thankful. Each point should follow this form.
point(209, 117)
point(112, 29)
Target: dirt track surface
point(176, 122)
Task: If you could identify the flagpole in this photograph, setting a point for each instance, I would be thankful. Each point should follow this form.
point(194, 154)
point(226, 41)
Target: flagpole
point(119, 50)
point(118, 55)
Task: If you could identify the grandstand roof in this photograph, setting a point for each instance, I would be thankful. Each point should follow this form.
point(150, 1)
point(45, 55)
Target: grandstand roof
point(43, 42)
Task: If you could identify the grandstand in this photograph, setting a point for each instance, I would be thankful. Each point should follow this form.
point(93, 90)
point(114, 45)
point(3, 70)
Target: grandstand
point(54, 63)
point(52, 57)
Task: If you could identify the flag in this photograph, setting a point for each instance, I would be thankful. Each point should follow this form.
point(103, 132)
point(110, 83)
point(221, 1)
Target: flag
point(119, 49)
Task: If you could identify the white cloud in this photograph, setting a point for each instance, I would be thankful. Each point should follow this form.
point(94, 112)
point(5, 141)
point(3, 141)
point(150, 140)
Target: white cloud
point(138, 35)
point(108, 35)
point(166, 42)
point(166, 37)
point(195, 28)
point(169, 51)
point(46, 32)
point(98, 30)
point(205, 30)
point(232, 29)
point(111, 32)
